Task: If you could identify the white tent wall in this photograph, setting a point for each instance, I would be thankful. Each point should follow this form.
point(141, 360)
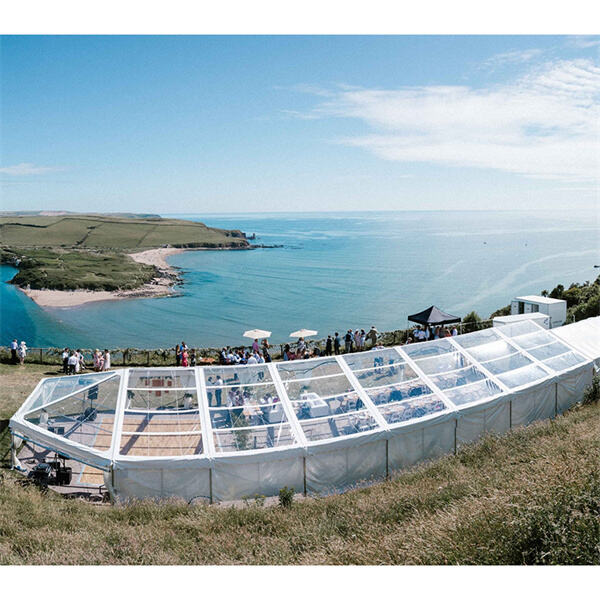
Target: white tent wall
point(329, 470)
point(533, 403)
point(570, 387)
point(136, 481)
point(232, 480)
point(490, 417)
point(430, 439)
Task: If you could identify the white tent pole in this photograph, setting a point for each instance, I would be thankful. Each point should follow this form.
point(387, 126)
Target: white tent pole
point(288, 408)
point(119, 415)
point(208, 442)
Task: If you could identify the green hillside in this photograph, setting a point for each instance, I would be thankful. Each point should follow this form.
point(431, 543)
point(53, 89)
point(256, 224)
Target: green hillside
point(72, 251)
point(122, 233)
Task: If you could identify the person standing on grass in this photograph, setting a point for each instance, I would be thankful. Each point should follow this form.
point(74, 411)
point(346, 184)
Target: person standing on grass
point(337, 342)
point(348, 341)
point(328, 346)
point(22, 352)
point(13, 352)
point(73, 363)
point(372, 336)
point(255, 346)
point(106, 363)
point(177, 355)
point(65, 361)
point(184, 358)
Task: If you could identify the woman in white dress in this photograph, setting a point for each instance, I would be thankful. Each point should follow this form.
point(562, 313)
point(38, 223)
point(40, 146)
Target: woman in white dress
point(22, 352)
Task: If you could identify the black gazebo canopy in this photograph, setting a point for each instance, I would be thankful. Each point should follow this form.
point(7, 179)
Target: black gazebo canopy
point(433, 316)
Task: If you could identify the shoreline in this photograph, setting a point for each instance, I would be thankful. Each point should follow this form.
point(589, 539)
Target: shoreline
point(160, 287)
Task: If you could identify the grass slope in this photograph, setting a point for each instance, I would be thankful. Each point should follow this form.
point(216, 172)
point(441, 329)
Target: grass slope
point(109, 232)
point(529, 497)
point(69, 270)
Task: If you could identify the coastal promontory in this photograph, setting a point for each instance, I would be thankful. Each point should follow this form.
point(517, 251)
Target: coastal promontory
point(67, 259)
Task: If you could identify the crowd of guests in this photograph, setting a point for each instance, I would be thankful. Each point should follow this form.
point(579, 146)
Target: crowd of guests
point(259, 353)
point(424, 334)
point(73, 361)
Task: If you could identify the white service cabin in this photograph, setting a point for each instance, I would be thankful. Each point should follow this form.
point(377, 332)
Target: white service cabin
point(553, 308)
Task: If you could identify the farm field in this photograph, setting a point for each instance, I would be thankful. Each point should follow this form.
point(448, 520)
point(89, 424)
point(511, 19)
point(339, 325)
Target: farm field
point(108, 232)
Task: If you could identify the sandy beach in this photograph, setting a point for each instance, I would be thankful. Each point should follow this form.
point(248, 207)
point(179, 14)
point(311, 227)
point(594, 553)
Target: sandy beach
point(160, 287)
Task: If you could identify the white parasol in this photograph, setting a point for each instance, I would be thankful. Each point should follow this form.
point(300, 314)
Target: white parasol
point(302, 333)
point(257, 333)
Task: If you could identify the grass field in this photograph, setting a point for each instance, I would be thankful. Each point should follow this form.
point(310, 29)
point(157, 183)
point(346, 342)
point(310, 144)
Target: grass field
point(529, 497)
point(109, 232)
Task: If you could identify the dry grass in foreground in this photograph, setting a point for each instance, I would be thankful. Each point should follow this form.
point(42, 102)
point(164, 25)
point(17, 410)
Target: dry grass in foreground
point(529, 497)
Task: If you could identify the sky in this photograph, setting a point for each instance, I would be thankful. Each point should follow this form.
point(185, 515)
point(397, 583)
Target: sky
point(203, 124)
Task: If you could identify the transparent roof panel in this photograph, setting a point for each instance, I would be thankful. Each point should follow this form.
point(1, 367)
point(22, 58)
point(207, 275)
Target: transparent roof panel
point(565, 361)
point(338, 426)
point(322, 387)
point(58, 387)
point(514, 379)
point(386, 375)
point(398, 393)
point(477, 338)
point(246, 375)
point(247, 416)
point(162, 378)
point(412, 409)
point(491, 350)
point(509, 363)
point(305, 369)
point(432, 348)
point(253, 438)
point(312, 406)
point(443, 363)
point(161, 400)
point(473, 393)
point(242, 395)
point(457, 378)
point(520, 328)
point(548, 350)
point(372, 358)
point(86, 416)
point(531, 340)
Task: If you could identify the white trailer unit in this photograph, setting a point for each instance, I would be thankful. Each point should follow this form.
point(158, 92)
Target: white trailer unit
point(540, 318)
point(555, 309)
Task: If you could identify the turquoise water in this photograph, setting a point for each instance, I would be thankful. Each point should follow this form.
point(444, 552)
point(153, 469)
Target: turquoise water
point(335, 271)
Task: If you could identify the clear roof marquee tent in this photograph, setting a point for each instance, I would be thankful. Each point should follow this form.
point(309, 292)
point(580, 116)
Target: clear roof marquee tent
point(318, 425)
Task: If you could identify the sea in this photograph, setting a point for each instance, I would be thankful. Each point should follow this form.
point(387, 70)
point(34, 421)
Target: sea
point(330, 272)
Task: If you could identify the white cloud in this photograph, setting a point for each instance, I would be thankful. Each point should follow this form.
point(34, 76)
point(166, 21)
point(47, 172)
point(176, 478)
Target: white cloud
point(542, 125)
point(511, 58)
point(28, 169)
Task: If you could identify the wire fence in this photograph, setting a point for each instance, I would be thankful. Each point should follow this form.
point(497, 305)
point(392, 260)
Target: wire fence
point(159, 357)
